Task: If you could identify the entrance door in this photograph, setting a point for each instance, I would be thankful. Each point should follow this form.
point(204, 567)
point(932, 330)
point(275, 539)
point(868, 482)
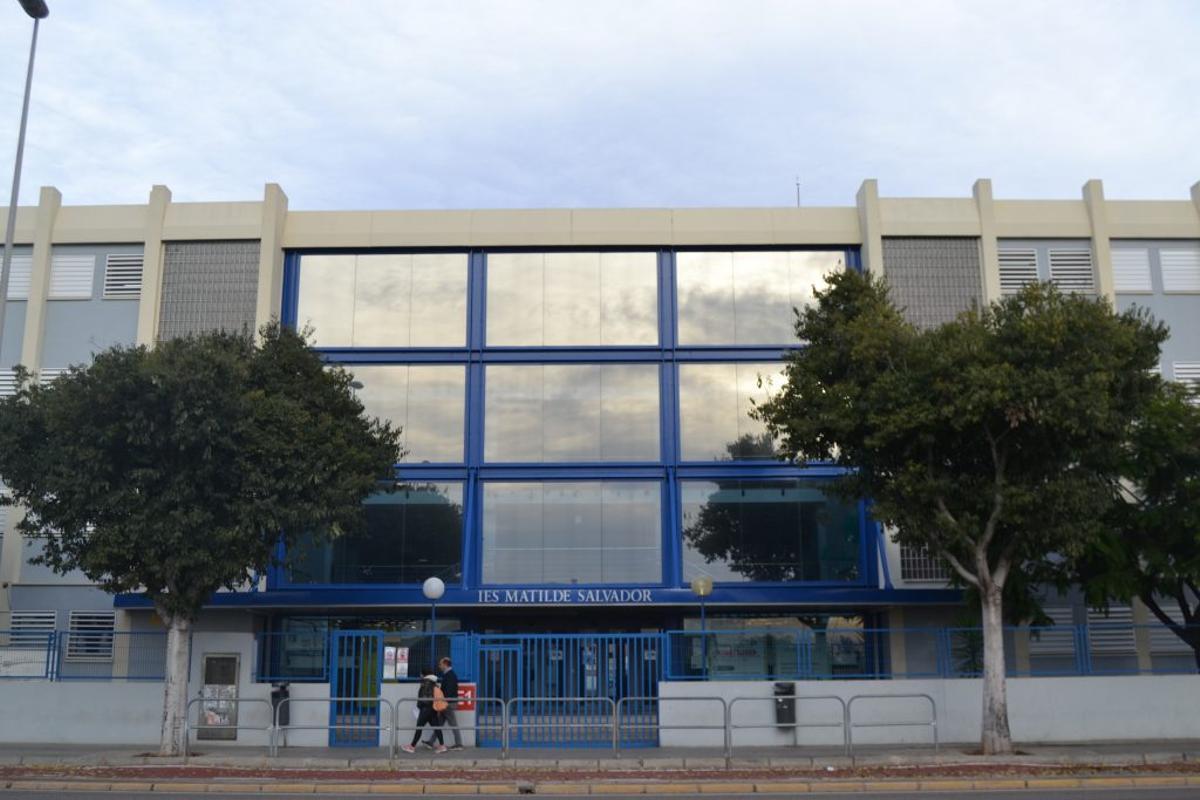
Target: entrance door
point(499, 677)
point(357, 675)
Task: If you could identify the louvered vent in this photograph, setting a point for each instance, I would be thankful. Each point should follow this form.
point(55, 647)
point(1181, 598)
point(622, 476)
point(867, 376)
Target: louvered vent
point(1188, 372)
point(8, 382)
point(1131, 270)
point(90, 636)
point(1058, 640)
point(1071, 271)
point(1112, 634)
point(48, 374)
point(123, 277)
point(72, 277)
point(917, 565)
point(20, 274)
point(1180, 270)
point(1162, 639)
point(31, 628)
point(1018, 268)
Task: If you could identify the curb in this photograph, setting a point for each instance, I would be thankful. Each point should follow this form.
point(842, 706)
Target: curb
point(576, 789)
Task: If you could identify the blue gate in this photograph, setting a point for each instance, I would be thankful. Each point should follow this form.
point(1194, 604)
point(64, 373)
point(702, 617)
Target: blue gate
point(356, 672)
point(565, 688)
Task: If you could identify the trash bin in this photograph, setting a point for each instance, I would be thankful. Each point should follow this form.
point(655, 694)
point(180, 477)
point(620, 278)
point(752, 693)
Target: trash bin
point(785, 704)
point(279, 693)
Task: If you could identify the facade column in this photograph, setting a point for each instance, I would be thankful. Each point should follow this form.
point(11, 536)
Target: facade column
point(152, 266)
point(49, 202)
point(870, 225)
point(989, 247)
point(1196, 197)
point(270, 256)
point(1093, 198)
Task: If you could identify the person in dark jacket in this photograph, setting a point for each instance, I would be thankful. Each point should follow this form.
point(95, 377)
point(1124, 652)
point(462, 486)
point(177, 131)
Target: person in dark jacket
point(430, 705)
point(450, 690)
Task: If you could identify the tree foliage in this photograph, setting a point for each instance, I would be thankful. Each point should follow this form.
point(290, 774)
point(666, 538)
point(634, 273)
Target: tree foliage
point(177, 470)
point(990, 439)
point(1151, 547)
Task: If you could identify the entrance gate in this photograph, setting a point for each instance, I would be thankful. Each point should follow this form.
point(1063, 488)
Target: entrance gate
point(356, 671)
point(567, 687)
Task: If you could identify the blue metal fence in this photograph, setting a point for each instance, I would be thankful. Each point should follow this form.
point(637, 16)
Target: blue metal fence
point(26, 654)
point(110, 655)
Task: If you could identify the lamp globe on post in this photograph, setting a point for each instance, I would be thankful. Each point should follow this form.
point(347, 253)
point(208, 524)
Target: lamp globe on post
point(702, 587)
point(433, 589)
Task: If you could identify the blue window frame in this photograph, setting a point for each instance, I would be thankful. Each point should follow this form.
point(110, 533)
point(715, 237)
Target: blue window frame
point(669, 471)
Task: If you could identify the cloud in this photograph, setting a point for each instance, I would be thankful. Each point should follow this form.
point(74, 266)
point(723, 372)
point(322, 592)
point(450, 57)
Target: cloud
point(528, 104)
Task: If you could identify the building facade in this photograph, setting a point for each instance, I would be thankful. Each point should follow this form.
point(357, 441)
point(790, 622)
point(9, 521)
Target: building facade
point(575, 389)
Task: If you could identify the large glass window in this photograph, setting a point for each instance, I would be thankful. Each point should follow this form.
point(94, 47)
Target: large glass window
point(425, 401)
point(396, 300)
point(411, 534)
point(746, 298)
point(572, 299)
point(572, 532)
point(715, 401)
point(571, 412)
point(768, 530)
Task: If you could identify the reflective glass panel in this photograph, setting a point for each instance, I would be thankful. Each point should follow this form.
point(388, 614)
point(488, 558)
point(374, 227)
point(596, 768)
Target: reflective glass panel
point(411, 534)
point(571, 412)
point(426, 401)
point(768, 531)
point(385, 300)
point(747, 297)
point(572, 299)
point(572, 532)
point(715, 401)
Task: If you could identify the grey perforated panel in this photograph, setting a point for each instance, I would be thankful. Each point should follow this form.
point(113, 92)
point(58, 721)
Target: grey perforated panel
point(933, 279)
point(208, 286)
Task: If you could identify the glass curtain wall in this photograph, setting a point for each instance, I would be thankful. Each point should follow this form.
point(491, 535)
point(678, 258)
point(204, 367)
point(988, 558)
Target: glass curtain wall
point(583, 418)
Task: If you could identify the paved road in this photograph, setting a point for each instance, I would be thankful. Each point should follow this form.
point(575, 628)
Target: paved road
point(1071, 794)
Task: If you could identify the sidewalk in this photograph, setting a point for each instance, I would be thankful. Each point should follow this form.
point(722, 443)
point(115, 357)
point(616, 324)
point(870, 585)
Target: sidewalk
point(212, 754)
point(787, 771)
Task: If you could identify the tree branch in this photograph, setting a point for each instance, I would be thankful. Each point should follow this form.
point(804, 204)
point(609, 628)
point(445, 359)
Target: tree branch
point(1163, 617)
point(960, 569)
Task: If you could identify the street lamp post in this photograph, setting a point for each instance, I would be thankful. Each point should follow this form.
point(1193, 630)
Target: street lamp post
point(38, 11)
point(433, 589)
point(702, 587)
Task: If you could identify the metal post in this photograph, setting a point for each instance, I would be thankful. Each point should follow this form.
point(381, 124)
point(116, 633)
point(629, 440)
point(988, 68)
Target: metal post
point(703, 638)
point(433, 633)
point(10, 229)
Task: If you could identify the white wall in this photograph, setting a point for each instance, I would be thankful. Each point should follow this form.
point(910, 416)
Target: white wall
point(1040, 710)
point(80, 712)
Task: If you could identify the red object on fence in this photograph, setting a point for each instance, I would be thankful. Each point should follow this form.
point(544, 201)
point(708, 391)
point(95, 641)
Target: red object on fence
point(466, 697)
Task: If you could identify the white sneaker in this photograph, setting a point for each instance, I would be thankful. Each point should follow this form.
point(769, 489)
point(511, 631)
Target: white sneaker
point(408, 748)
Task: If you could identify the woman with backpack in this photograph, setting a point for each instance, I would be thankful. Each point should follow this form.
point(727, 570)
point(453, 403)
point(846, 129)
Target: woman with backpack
point(430, 705)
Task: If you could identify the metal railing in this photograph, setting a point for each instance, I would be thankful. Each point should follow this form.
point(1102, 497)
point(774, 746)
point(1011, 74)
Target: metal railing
point(730, 727)
point(502, 727)
point(851, 724)
point(26, 654)
point(237, 703)
point(380, 726)
point(110, 655)
point(548, 722)
point(387, 725)
point(657, 724)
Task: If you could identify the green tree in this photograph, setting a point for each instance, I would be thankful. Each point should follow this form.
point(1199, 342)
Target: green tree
point(1151, 549)
point(175, 471)
point(988, 439)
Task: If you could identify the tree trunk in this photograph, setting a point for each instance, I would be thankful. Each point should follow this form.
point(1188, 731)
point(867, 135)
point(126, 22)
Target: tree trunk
point(175, 686)
point(996, 739)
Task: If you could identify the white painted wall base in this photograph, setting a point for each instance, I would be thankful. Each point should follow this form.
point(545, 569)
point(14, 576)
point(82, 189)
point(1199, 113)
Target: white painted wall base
point(1063, 710)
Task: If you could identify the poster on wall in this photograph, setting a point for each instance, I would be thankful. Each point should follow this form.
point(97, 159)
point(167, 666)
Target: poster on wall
point(389, 663)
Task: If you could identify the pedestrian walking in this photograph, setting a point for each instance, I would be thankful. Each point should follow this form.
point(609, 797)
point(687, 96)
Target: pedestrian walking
point(450, 690)
point(429, 696)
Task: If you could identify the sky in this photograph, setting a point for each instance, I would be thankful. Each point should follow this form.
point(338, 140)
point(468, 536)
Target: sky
point(356, 105)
